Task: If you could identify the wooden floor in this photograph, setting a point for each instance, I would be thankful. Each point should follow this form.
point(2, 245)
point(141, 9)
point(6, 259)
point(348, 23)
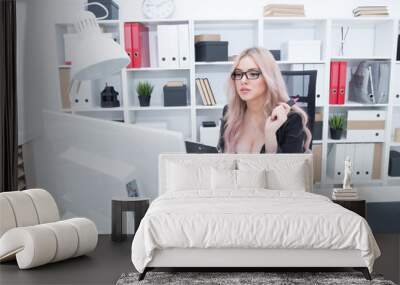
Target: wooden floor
point(103, 266)
point(110, 259)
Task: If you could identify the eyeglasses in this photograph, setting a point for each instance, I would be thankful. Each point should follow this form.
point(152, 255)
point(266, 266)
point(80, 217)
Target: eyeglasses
point(251, 74)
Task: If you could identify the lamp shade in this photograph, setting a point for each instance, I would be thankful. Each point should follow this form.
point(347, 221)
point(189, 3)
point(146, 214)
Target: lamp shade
point(95, 55)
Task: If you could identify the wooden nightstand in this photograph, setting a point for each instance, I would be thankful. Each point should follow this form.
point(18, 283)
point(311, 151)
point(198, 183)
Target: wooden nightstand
point(357, 206)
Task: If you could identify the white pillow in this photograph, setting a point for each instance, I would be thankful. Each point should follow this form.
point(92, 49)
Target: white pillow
point(293, 179)
point(181, 177)
point(192, 175)
point(223, 179)
point(251, 178)
point(283, 174)
point(227, 179)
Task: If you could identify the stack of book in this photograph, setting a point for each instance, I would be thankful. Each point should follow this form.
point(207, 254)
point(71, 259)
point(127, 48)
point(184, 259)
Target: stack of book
point(284, 10)
point(206, 93)
point(368, 11)
point(344, 194)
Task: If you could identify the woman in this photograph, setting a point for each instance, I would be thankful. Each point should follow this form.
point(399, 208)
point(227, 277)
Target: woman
point(257, 118)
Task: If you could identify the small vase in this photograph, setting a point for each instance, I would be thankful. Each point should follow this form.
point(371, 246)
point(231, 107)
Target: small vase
point(336, 134)
point(144, 100)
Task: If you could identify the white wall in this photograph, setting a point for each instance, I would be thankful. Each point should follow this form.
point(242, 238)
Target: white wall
point(253, 8)
point(37, 64)
point(38, 86)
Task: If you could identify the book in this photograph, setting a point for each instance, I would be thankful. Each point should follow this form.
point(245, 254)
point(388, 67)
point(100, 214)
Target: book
point(283, 14)
point(363, 14)
point(369, 8)
point(299, 11)
point(205, 91)
point(349, 194)
point(280, 10)
point(284, 6)
point(370, 11)
point(208, 87)
point(268, 13)
point(201, 91)
point(339, 190)
point(345, 198)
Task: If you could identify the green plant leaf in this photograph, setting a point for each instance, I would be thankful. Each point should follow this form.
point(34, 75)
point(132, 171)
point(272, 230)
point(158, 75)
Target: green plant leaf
point(336, 122)
point(144, 88)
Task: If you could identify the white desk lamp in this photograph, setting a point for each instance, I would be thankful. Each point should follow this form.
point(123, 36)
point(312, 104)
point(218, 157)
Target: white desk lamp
point(95, 56)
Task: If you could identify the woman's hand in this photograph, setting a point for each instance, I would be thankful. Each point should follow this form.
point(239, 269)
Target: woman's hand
point(277, 118)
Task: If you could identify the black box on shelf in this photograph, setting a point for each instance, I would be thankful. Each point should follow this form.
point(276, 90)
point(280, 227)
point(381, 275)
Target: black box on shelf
point(394, 163)
point(276, 53)
point(175, 95)
point(112, 7)
point(211, 51)
point(208, 124)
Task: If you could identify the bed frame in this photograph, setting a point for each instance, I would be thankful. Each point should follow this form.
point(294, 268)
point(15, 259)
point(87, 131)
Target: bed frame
point(246, 259)
point(240, 259)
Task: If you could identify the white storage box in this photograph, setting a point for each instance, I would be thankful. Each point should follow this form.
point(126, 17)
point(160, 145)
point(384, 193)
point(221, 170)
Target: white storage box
point(309, 50)
point(209, 135)
point(366, 125)
point(366, 115)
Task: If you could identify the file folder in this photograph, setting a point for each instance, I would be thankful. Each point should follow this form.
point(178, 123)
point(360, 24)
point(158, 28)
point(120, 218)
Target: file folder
point(342, 82)
point(140, 45)
point(183, 38)
point(128, 42)
point(334, 82)
point(167, 43)
point(137, 44)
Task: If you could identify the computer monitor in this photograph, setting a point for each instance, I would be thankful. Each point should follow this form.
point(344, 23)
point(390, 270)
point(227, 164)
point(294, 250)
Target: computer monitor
point(88, 161)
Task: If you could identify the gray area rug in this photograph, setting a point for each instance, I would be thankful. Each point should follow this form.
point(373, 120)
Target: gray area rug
point(229, 278)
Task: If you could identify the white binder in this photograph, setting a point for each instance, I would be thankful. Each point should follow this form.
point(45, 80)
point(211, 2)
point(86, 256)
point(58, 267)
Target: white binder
point(363, 162)
point(168, 48)
point(358, 163)
point(81, 94)
point(336, 157)
point(183, 39)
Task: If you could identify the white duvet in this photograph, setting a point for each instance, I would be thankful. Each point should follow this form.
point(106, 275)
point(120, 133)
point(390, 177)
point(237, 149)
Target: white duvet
point(253, 218)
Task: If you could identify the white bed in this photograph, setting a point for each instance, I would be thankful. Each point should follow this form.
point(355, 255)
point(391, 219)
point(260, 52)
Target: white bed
point(197, 224)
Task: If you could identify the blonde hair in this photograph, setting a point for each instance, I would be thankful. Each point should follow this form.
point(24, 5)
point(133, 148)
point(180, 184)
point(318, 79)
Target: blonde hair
point(276, 93)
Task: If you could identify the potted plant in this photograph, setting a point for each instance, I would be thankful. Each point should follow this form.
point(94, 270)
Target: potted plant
point(336, 123)
point(144, 90)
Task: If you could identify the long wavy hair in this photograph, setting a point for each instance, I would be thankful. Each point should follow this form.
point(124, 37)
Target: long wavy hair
point(276, 93)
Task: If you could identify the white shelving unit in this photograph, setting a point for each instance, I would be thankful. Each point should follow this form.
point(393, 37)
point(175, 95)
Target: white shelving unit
point(368, 39)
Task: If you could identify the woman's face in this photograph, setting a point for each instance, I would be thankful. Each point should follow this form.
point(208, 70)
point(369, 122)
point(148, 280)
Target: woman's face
point(253, 88)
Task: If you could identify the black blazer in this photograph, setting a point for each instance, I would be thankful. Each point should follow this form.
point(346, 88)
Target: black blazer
point(290, 136)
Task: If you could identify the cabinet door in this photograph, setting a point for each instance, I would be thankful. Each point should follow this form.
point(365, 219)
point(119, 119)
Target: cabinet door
point(319, 90)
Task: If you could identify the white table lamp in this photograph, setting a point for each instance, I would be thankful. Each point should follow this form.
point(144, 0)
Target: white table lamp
point(94, 56)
